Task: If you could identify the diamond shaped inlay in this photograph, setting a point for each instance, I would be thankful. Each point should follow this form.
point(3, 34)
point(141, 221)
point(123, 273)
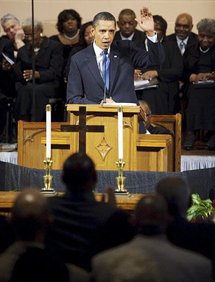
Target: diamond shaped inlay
point(103, 148)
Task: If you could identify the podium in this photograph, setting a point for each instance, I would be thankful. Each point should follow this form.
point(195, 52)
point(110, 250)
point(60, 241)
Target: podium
point(102, 145)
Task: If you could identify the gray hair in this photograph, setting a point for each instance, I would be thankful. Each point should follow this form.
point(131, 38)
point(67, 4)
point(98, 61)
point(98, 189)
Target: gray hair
point(206, 25)
point(8, 17)
point(37, 24)
point(103, 16)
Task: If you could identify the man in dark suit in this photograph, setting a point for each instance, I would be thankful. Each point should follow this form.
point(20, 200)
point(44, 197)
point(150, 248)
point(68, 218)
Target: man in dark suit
point(145, 125)
point(83, 226)
point(183, 37)
point(127, 24)
point(85, 84)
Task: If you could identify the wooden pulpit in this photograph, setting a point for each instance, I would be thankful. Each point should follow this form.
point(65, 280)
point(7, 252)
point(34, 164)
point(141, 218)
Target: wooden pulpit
point(100, 135)
point(94, 129)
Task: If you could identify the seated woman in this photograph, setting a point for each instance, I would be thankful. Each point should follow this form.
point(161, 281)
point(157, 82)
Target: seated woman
point(145, 125)
point(86, 38)
point(200, 68)
point(68, 26)
point(41, 65)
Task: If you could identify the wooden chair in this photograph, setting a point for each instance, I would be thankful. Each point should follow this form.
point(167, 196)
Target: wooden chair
point(173, 123)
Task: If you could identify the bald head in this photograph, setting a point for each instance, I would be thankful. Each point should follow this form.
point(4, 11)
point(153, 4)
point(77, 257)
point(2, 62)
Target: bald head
point(183, 25)
point(30, 214)
point(176, 192)
point(151, 210)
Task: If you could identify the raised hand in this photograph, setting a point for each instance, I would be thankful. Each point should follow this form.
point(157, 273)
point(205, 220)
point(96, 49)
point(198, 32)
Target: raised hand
point(146, 22)
point(109, 196)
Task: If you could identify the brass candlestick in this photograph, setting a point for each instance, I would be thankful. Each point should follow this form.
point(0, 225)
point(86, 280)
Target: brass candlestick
point(47, 178)
point(121, 179)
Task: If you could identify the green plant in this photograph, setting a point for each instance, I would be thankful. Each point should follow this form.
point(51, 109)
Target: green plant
point(200, 208)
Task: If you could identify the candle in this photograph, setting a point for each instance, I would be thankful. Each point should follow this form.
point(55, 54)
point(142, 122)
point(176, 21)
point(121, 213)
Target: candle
point(120, 133)
point(48, 131)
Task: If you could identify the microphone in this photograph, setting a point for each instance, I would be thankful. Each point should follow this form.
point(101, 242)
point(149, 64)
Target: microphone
point(104, 71)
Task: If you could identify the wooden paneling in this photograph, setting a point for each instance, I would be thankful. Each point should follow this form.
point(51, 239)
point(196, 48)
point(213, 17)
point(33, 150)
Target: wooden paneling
point(125, 202)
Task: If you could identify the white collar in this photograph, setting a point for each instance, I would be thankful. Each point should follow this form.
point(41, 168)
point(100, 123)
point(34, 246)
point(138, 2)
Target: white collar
point(98, 50)
point(184, 40)
point(127, 38)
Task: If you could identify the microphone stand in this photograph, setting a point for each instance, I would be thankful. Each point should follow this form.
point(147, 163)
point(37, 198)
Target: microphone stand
point(33, 64)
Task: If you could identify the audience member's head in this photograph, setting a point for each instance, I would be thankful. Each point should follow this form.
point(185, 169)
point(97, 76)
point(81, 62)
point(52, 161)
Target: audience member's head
point(86, 35)
point(30, 215)
point(79, 173)
point(69, 22)
point(206, 33)
point(151, 215)
point(104, 28)
point(38, 29)
point(160, 26)
point(10, 25)
point(177, 193)
point(127, 22)
point(183, 25)
point(145, 113)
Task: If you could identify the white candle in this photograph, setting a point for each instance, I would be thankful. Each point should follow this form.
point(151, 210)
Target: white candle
point(120, 133)
point(48, 131)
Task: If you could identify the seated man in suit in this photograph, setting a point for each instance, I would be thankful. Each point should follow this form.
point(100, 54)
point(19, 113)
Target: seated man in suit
point(145, 125)
point(127, 24)
point(83, 226)
point(92, 82)
point(183, 37)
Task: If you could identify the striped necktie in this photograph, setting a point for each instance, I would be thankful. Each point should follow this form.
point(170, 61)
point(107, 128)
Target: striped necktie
point(182, 47)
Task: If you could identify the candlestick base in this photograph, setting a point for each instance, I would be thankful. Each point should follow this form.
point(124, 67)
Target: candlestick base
point(47, 178)
point(121, 179)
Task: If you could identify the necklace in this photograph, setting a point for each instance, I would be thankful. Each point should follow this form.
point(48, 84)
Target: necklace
point(204, 51)
point(71, 37)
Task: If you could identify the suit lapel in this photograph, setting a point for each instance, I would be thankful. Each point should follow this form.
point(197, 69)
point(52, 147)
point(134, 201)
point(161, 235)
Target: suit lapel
point(93, 67)
point(114, 62)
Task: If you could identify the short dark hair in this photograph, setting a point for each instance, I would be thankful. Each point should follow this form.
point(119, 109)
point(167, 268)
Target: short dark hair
point(176, 191)
point(161, 21)
point(103, 16)
point(127, 12)
point(79, 173)
point(66, 15)
point(82, 32)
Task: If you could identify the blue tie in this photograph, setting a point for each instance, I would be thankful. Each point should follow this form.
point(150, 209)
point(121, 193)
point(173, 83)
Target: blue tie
point(105, 69)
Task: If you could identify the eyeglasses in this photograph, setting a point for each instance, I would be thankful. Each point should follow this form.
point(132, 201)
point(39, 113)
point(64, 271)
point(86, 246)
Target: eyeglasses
point(148, 114)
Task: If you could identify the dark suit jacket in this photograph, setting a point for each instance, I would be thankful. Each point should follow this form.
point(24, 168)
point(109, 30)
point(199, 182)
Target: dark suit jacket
point(154, 129)
point(7, 83)
point(198, 237)
point(139, 36)
point(192, 40)
point(85, 84)
point(83, 227)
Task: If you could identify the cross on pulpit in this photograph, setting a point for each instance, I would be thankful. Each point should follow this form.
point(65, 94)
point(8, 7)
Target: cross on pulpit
point(82, 128)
